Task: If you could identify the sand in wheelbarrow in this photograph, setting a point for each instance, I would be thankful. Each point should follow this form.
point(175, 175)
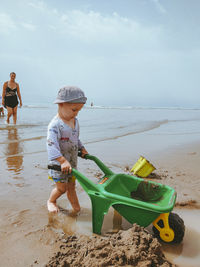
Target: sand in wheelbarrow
point(133, 247)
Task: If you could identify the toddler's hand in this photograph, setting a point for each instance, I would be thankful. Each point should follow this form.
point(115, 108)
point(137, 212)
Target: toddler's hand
point(83, 152)
point(66, 167)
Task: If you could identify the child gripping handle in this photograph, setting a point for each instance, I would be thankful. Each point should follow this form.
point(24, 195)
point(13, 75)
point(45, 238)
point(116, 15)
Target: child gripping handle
point(63, 144)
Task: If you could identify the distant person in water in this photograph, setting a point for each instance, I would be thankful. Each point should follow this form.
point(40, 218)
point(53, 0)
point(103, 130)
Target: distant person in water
point(10, 95)
point(63, 144)
point(1, 107)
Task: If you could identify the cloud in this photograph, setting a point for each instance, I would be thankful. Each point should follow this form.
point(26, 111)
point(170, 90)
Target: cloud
point(93, 27)
point(28, 26)
point(38, 5)
point(159, 7)
point(6, 24)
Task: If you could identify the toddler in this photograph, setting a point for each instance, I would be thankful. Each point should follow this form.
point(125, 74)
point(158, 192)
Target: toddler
point(63, 144)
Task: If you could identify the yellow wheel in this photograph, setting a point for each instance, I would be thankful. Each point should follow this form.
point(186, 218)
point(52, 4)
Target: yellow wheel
point(167, 235)
point(169, 228)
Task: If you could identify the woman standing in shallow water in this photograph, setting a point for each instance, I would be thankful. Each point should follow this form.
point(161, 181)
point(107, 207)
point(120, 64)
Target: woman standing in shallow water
point(10, 95)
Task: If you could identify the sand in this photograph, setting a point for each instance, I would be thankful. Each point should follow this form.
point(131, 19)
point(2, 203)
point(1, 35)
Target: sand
point(136, 246)
point(180, 169)
point(30, 237)
point(133, 247)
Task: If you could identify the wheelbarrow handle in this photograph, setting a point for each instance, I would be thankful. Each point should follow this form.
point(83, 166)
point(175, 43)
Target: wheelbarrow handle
point(80, 154)
point(84, 181)
point(58, 168)
point(54, 167)
point(99, 163)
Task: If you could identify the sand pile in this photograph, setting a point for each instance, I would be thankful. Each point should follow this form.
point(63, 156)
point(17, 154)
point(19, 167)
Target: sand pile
point(134, 247)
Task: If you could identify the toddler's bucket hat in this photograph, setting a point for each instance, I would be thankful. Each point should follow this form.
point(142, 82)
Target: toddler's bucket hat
point(70, 94)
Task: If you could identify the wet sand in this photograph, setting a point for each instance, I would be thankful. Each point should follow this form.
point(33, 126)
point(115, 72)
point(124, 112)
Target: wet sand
point(30, 236)
point(133, 247)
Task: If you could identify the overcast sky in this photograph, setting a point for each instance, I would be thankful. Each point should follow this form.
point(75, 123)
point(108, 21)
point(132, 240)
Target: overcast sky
point(120, 52)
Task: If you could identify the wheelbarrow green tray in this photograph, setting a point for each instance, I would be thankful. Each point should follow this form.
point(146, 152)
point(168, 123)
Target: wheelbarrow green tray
point(137, 200)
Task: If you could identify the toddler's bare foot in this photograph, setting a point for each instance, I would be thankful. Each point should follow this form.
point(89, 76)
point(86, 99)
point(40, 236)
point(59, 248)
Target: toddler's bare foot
point(76, 207)
point(52, 207)
point(74, 213)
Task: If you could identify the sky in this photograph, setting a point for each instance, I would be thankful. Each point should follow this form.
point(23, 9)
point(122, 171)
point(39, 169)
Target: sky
point(120, 52)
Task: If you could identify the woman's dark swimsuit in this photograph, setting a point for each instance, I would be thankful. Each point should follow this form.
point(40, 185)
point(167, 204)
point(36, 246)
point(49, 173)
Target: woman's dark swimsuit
point(11, 100)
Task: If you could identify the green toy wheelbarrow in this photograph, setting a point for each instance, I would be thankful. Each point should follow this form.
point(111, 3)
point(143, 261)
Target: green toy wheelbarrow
point(137, 200)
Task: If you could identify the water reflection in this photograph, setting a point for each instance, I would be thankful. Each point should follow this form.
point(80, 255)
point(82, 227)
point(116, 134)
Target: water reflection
point(187, 253)
point(14, 151)
point(63, 220)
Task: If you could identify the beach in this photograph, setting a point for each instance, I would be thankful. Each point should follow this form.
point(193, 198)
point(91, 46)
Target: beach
point(168, 138)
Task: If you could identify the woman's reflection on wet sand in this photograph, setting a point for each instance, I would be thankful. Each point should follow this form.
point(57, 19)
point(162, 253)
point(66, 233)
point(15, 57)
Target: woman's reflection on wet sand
point(14, 151)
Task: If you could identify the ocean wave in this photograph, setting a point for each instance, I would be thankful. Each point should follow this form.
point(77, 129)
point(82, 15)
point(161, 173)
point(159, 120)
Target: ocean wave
point(123, 107)
point(139, 108)
point(146, 128)
point(179, 133)
point(37, 106)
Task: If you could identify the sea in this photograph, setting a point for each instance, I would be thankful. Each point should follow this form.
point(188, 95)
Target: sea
point(100, 124)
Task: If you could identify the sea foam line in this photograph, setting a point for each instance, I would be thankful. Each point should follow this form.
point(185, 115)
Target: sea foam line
point(156, 125)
